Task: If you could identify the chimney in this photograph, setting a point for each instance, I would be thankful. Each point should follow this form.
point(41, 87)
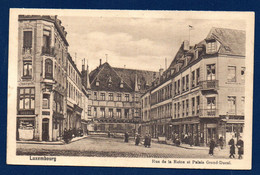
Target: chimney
point(100, 62)
point(161, 71)
point(186, 45)
point(83, 64)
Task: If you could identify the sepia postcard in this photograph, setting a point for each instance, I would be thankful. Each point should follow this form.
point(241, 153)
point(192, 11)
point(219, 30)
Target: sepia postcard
point(126, 88)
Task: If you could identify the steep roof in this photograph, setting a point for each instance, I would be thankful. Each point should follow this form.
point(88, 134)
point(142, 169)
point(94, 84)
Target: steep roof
point(232, 41)
point(105, 73)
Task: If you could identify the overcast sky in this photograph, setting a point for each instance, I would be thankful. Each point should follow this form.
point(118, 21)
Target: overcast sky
point(137, 43)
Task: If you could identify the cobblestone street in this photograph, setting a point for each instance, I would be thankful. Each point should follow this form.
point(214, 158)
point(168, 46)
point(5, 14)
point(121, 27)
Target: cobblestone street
point(113, 147)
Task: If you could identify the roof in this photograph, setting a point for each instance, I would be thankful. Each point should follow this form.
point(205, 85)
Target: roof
point(232, 41)
point(104, 73)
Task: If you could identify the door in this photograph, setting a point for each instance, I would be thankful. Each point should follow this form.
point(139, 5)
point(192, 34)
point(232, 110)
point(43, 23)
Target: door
point(45, 129)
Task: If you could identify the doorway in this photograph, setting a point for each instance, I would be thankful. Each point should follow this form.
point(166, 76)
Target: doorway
point(45, 129)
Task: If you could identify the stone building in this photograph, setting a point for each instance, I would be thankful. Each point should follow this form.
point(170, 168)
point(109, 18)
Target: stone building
point(114, 99)
point(42, 58)
point(207, 90)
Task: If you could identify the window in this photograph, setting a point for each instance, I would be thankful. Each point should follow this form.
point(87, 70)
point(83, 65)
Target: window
point(175, 87)
point(89, 110)
point(58, 102)
point(211, 72)
point(211, 47)
point(118, 113)
point(48, 68)
point(242, 104)
point(126, 97)
point(187, 82)
point(27, 42)
point(183, 108)
point(27, 69)
point(26, 98)
point(187, 107)
point(193, 79)
point(198, 104)
point(95, 111)
point(179, 109)
point(231, 104)
point(46, 41)
point(211, 103)
point(178, 86)
point(110, 113)
point(95, 95)
point(46, 101)
point(175, 112)
point(102, 96)
point(102, 111)
point(183, 84)
point(193, 106)
point(231, 74)
point(110, 97)
point(197, 76)
point(243, 69)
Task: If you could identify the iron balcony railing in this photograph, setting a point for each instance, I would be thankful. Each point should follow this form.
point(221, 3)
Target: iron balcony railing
point(209, 85)
point(48, 51)
point(208, 112)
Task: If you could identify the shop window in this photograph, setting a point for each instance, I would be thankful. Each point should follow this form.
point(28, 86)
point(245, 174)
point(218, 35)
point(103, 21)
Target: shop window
point(231, 74)
point(49, 69)
point(46, 101)
point(211, 72)
point(27, 69)
point(26, 98)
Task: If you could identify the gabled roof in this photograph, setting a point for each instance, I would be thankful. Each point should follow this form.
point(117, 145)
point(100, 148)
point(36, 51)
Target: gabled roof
point(105, 72)
point(232, 41)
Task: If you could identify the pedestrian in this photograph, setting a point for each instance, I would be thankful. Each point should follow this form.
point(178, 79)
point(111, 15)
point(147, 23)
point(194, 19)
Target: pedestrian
point(221, 142)
point(212, 145)
point(137, 139)
point(240, 146)
point(146, 140)
point(149, 141)
point(177, 141)
point(231, 143)
point(108, 134)
point(70, 134)
point(190, 140)
point(126, 137)
point(65, 136)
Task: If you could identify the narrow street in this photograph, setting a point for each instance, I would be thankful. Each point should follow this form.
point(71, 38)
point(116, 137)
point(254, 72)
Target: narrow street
point(96, 146)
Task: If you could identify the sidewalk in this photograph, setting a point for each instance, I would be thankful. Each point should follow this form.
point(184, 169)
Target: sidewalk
point(50, 143)
point(186, 146)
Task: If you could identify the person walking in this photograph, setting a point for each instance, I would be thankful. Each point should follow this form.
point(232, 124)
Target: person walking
point(65, 136)
point(149, 141)
point(240, 146)
point(231, 143)
point(146, 140)
point(137, 139)
point(221, 142)
point(212, 145)
point(126, 137)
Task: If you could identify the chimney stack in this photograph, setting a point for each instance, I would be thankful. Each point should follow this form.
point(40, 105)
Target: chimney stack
point(161, 71)
point(83, 64)
point(100, 62)
point(186, 45)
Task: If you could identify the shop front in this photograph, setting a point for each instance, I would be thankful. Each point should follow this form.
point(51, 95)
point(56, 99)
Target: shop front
point(25, 128)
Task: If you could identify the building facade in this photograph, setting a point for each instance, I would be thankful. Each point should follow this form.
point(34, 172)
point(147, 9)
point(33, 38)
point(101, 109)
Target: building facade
point(41, 97)
point(115, 98)
point(207, 90)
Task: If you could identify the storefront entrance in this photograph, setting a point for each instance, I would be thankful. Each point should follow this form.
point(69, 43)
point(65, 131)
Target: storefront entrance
point(45, 129)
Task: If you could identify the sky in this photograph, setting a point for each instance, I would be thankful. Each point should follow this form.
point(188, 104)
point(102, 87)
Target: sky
point(135, 43)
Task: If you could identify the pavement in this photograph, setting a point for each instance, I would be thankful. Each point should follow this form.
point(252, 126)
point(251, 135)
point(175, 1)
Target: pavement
point(98, 146)
point(61, 142)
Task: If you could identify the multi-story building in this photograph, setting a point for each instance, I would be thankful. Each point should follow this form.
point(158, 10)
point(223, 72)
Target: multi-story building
point(114, 101)
point(208, 90)
point(75, 96)
point(42, 58)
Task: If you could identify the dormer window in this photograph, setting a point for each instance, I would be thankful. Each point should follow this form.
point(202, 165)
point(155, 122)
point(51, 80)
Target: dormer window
point(109, 82)
point(211, 47)
point(97, 82)
point(196, 54)
point(122, 84)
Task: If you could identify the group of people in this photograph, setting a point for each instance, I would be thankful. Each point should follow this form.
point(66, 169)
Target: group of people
point(69, 134)
point(147, 139)
point(232, 147)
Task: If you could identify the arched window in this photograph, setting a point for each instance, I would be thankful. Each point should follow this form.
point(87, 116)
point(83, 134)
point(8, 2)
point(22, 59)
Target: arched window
point(48, 69)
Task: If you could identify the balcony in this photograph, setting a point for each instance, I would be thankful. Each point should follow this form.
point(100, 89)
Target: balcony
point(208, 113)
point(48, 51)
point(209, 85)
